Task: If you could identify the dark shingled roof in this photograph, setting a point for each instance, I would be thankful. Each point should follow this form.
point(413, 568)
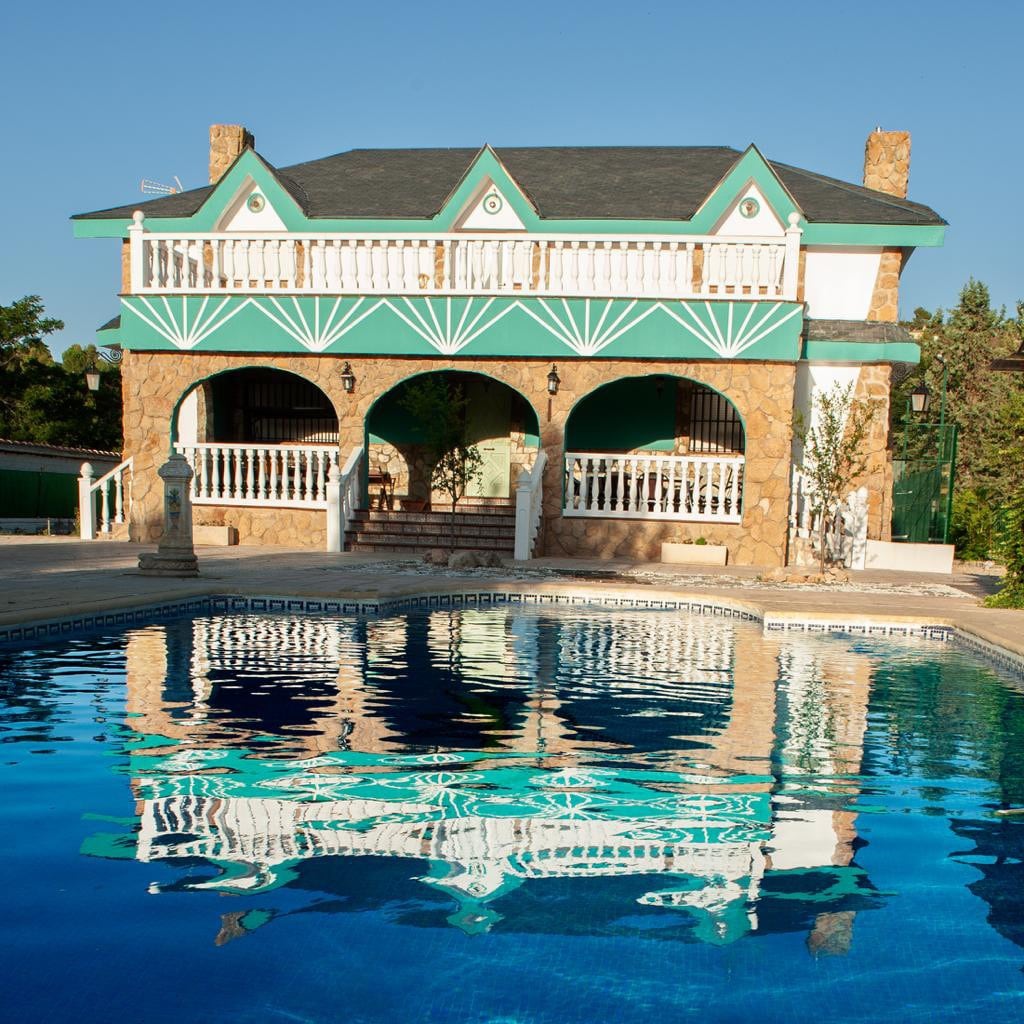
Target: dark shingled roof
point(855, 330)
point(563, 182)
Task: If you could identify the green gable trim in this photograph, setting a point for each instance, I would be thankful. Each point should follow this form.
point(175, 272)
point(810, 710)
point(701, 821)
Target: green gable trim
point(860, 352)
point(751, 167)
point(485, 166)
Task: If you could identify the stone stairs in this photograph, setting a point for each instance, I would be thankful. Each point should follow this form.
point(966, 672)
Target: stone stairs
point(477, 528)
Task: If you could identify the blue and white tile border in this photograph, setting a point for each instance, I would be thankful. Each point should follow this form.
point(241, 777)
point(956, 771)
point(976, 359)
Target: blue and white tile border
point(92, 622)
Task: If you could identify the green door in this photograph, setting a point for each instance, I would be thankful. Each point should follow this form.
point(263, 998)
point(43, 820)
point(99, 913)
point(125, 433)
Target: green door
point(490, 417)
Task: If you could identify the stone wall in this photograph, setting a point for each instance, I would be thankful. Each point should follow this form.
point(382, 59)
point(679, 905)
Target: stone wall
point(290, 527)
point(873, 386)
point(762, 392)
point(885, 299)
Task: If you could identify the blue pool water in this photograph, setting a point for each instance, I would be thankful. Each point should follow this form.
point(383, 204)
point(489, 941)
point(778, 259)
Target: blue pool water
point(507, 815)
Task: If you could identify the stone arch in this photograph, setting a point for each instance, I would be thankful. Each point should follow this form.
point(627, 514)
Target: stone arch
point(502, 423)
point(639, 412)
point(321, 418)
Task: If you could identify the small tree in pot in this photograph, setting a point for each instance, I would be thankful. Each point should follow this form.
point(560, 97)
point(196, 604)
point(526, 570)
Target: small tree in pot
point(833, 453)
point(439, 408)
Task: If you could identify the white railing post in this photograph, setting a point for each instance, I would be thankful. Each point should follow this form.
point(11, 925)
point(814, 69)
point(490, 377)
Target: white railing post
point(791, 263)
point(524, 507)
point(334, 532)
point(86, 507)
point(136, 254)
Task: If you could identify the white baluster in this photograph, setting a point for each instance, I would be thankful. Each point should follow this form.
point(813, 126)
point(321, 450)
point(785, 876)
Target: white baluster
point(670, 497)
point(238, 491)
point(309, 458)
point(274, 453)
point(262, 485)
point(620, 497)
point(250, 458)
point(215, 481)
point(105, 507)
point(322, 462)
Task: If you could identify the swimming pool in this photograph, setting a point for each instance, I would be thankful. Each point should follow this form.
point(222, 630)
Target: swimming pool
point(511, 814)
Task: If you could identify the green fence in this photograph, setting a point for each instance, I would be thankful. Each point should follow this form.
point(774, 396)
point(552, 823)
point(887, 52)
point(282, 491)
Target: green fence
point(922, 492)
point(37, 495)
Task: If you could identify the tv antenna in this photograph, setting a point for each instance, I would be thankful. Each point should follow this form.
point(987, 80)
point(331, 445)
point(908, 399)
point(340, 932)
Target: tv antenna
point(149, 187)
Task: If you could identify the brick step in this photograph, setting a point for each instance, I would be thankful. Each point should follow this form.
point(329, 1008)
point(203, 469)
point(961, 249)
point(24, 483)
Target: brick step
point(398, 542)
point(429, 530)
point(434, 519)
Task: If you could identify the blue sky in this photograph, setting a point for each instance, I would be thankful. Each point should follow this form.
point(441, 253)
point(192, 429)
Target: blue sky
point(96, 96)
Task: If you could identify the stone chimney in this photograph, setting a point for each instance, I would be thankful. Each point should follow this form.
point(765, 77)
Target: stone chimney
point(226, 142)
point(887, 169)
point(887, 162)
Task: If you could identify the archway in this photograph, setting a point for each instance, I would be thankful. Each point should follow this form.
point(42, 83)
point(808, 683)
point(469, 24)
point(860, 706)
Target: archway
point(257, 436)
point(500, 423)
point(254, 405)
point(655, 447)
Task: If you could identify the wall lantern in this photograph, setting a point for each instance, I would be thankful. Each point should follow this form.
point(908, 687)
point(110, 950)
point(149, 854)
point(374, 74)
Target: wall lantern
point(553, 381)
point(1011, 364)
point(92, 380)
point(348, 379)
point(920, 399)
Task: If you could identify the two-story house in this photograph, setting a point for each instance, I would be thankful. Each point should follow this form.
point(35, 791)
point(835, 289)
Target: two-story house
point(634, 329)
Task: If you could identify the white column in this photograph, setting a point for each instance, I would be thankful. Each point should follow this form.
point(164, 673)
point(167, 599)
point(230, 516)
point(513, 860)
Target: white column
point(86, 512)
point(524, 507)
point(135, 251)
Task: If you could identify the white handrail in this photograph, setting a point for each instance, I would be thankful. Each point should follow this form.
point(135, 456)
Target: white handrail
point(691, 488)
point(529, 503)
point(421, 263)
point(343, 494)
point(114, 489)
point(267, 475)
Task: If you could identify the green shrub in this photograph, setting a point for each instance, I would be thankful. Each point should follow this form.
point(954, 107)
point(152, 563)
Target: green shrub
point(1009, 545)
point(972, 525)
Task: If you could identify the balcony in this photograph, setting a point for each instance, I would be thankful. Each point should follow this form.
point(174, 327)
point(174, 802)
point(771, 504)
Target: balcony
point(584, 266)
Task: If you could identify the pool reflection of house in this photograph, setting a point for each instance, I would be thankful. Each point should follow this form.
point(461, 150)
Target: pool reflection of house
point(718, 807)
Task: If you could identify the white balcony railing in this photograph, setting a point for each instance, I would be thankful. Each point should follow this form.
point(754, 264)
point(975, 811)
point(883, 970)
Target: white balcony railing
point(692, 488)
point(272, 476)
point(653, 266)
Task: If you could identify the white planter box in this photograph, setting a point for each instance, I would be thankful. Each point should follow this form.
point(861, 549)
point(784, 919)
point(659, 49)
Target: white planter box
point(694, 554)
point(219, 536)
point(883, 554)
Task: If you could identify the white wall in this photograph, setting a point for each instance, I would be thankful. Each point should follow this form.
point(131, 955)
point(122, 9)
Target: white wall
point(839, 282)
point(813, 379)
point(188, 418)
point(764, 222)
point(476, 218)
point(238, 216)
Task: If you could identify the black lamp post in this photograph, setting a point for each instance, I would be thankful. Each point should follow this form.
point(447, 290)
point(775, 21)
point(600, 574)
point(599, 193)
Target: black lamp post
point(348, 379)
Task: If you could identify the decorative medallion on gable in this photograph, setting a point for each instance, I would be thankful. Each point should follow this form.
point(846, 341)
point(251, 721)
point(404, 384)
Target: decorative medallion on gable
point(250, 210)
point(488, 210)
point(749, 213)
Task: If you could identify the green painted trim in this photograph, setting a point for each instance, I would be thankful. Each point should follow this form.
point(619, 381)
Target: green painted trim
point(861, 352)
point(903, 235)
point(460, 328)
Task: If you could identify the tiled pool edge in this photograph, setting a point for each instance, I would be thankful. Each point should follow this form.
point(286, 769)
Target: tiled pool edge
point(773, 622)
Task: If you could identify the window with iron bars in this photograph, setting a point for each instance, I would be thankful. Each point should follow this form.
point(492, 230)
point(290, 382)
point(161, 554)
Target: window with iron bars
point(715, 425)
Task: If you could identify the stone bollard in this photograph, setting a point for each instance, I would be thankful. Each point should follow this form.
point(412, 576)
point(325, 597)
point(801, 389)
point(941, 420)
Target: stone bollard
point(175, 554)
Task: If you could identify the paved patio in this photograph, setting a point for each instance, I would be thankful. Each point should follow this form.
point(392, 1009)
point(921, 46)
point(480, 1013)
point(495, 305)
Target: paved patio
point(43, 578)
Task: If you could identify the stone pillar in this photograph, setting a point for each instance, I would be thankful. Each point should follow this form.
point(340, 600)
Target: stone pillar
point(227, 141)
point(175, 554)
point(887, 169)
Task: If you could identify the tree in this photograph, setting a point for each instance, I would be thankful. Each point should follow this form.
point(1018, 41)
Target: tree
point(833, 452)
point(48, 402)
point(439, 408)
point(987, 406)
point(22, 329)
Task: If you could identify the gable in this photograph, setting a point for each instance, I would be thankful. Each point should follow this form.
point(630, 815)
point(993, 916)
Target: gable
point(250, 210)
point(750, 213)
point(488, 209)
